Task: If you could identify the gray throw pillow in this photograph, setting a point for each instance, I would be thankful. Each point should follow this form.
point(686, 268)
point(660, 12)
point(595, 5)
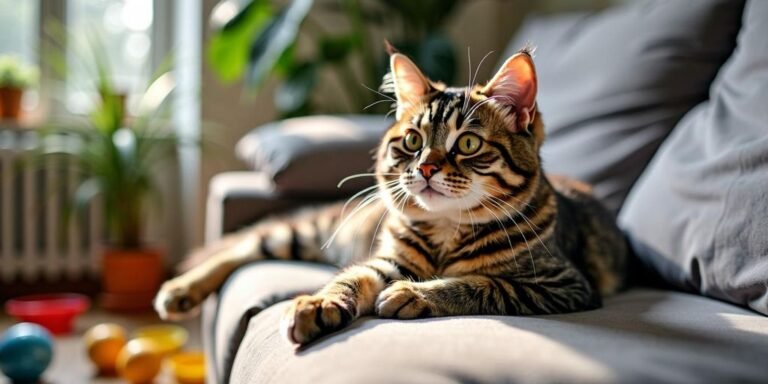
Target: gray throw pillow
point(613, 84)
point(310, 155)
point(699, 214)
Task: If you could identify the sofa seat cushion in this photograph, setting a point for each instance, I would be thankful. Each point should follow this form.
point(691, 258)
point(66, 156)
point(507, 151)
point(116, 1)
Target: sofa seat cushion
point(642, 335)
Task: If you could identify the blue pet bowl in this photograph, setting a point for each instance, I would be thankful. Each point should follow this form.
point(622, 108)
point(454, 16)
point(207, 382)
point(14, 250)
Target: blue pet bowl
point(26, 350)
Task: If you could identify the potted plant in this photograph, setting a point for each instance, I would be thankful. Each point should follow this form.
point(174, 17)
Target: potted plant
point(15, 77)
point(118, 156)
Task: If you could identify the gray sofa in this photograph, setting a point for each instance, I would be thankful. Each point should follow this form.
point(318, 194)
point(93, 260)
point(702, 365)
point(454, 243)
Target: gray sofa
point(620, 92)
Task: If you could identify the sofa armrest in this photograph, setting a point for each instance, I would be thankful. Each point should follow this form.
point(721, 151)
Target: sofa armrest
point(251, 289)
point(237, 199)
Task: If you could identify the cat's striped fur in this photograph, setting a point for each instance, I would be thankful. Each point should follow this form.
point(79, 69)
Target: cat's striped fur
point(463, 221)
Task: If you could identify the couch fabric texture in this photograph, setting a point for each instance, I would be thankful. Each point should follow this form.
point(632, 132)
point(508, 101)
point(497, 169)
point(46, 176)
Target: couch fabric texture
point(699, 214)
point(310, 155)
point(640, 336)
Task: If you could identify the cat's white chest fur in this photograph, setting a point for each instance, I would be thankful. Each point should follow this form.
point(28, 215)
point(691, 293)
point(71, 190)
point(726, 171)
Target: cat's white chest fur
point(446, 236)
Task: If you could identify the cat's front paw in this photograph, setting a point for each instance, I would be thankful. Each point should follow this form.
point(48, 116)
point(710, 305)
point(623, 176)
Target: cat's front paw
point(309, 317)
point(403, 300)
point(177, 300)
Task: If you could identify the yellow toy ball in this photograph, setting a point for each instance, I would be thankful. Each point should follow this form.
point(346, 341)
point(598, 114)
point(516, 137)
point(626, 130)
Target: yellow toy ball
point(103, 343)
point(188, 367)
point(168, 337)
point(139, 361)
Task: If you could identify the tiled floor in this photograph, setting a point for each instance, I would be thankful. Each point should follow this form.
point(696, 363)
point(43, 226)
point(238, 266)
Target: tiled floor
point(70, 363)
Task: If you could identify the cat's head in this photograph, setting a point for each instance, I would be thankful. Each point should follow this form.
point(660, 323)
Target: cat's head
point(454, 150)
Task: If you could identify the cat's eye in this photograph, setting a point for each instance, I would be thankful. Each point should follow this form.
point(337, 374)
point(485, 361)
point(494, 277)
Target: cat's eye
point(468, 144)
point(412, 141)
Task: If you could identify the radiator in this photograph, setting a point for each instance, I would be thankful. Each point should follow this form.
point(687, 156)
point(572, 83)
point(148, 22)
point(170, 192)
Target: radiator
point(39, 241)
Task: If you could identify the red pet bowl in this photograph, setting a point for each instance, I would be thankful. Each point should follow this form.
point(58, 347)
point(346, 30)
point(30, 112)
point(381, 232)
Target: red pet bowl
point(55, 312)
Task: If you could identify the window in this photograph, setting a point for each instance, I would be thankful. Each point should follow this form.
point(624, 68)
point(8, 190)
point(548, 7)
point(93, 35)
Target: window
point(19, 29)
point(19, 35)
point(124, 29)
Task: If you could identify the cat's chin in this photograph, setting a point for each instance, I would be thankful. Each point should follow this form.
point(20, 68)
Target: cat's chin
point(437, 203)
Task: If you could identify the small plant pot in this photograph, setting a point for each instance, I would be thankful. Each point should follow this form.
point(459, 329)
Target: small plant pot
point(130, 278)
point(10, 102)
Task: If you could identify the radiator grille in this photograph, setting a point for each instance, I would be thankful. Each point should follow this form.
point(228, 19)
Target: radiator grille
point(38, 240)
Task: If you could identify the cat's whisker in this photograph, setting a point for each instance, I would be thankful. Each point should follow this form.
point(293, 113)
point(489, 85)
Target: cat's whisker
point(379, 93)
point(521, 214)
point(525, 239)
point(368, 190)
point(396, 195)
point(359, 175)
point(458, 224)
point(357, 209)
point(472, 224)
point(474, 77)
point(503, 228)
point(483, 102)
point(375, 103)
point(469, 80)
point(403, 201)
point(506, 194)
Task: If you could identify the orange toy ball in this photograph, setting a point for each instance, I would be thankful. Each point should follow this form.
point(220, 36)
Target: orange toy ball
point(103, 343)
point(139, 361)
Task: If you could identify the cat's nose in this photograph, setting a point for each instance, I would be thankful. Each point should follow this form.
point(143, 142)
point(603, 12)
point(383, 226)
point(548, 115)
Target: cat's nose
point(428, 169)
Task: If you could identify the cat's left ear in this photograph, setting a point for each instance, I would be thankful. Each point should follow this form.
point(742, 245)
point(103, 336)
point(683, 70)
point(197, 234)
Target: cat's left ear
point(514, 86)
point(410, 84)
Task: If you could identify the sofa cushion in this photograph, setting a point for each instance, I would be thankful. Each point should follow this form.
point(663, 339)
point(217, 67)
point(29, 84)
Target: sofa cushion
point(699, 214)
point(310, 155)
point(613, 84)
point(639, 336)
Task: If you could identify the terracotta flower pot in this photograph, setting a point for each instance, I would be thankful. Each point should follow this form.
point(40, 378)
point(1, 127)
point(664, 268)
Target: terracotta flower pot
point(130, 278)
point(10, 102)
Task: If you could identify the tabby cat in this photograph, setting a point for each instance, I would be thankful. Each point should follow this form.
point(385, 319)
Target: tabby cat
point(463, 220)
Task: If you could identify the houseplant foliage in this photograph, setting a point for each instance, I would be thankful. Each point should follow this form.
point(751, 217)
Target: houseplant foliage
point(254, 39)
point(15, 77)
point(118, 156)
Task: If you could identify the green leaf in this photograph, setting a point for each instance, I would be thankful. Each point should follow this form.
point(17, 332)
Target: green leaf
point(286, 62)
point(294, 92)
point(229, 47)
point(229, 15)
point(274, 39)
point(336, 48)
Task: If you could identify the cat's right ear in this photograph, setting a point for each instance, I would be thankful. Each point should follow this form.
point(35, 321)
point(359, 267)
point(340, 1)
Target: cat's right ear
point(410, 85)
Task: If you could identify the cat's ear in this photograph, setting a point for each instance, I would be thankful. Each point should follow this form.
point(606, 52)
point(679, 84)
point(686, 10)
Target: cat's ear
point(514, 86)
point(410, 85)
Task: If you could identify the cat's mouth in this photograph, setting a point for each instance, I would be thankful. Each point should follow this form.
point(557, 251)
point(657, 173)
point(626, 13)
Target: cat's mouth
point(430, 192)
